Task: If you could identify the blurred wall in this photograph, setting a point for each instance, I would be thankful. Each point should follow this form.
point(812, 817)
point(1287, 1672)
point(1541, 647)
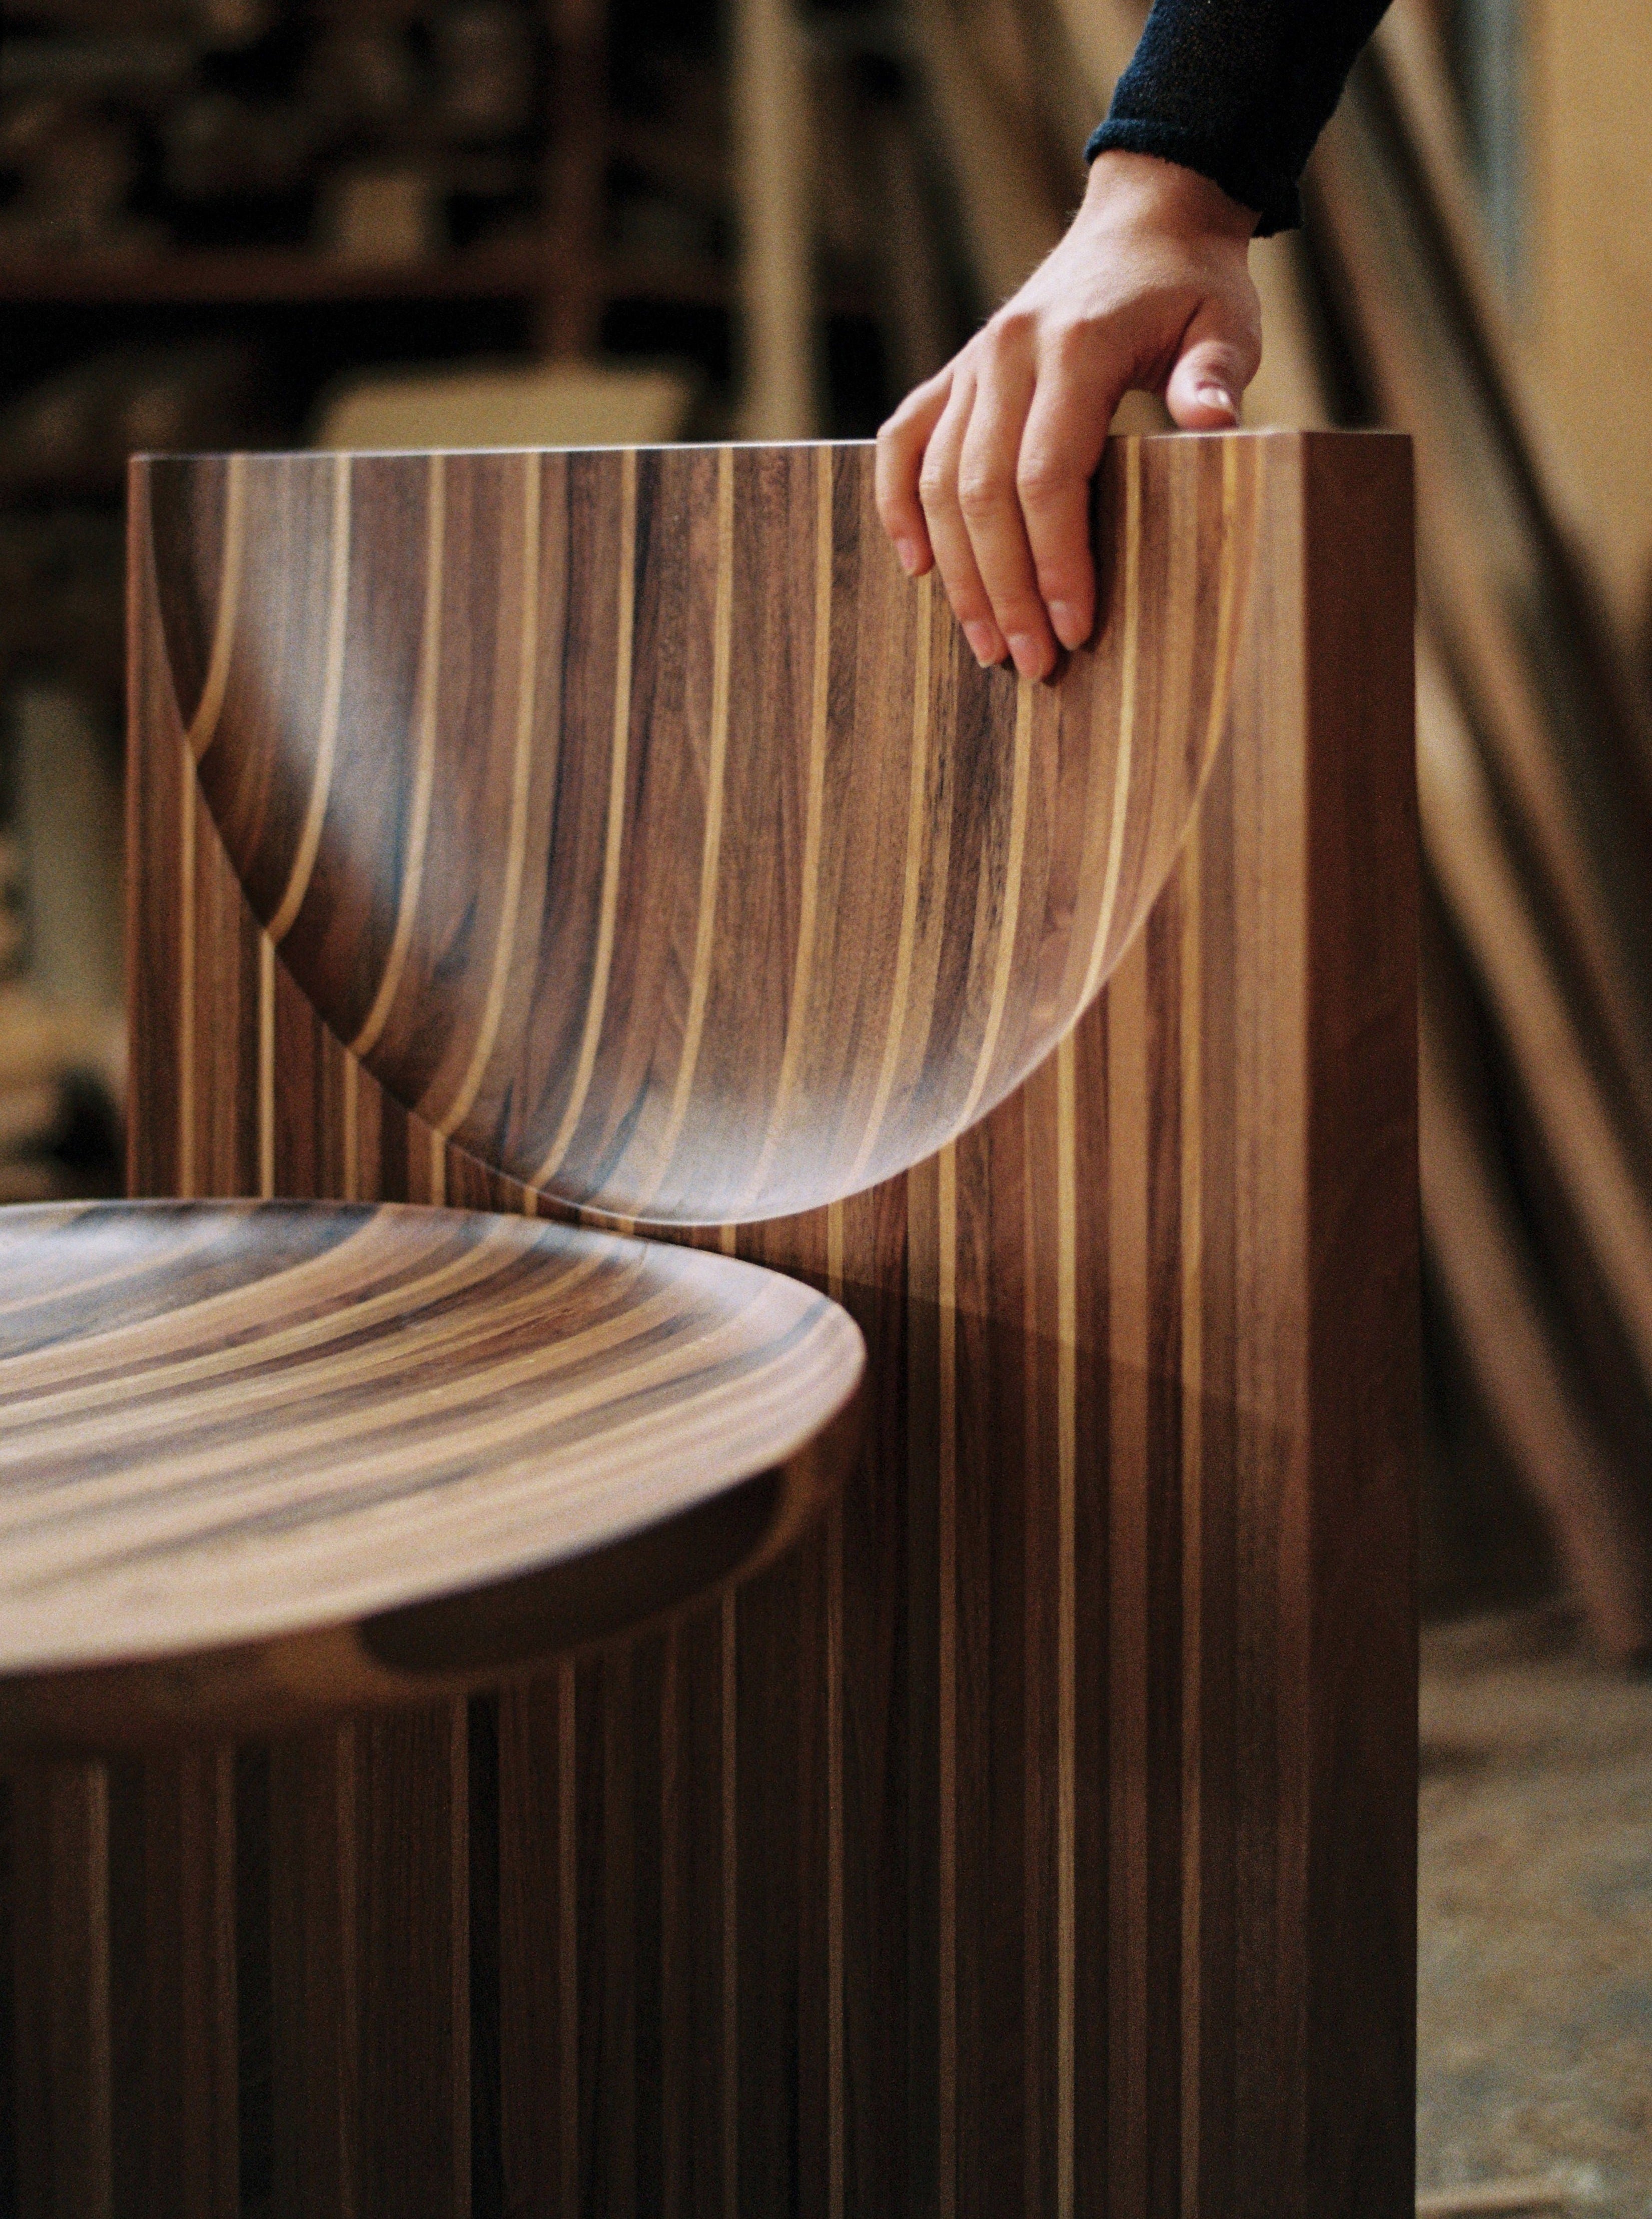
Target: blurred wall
point(1586, 295)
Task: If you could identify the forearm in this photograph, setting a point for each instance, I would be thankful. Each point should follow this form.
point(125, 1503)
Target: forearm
point(1237, 90)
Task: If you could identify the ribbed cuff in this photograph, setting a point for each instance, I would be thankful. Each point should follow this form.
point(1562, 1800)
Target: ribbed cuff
point(1274, 197)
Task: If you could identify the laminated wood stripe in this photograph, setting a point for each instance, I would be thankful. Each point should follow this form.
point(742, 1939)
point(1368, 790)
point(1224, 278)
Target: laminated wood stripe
point(224, 1424)
point(640, 828)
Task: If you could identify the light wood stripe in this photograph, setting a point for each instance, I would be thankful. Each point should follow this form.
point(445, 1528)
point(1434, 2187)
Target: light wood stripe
point(1190, 1295)
point(803, 969)
point(332, 684)
point(516, 839)
point(1067, 1267)
point(1009, 917)
point(717, 757)
point(350, 1124)
point(430, 691)
point(188, 1079)
point(1226, 593)
point(911, 880)
point(608, 906)
point(1129, 1469)
point(1125, 758)
point(266, 1079)
point(203, 725)
point(946, 1562)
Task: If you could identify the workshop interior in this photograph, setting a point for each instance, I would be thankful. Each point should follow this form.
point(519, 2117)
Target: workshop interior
point(334, 239)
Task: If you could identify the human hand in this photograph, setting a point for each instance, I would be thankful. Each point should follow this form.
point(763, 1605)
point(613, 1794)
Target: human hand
point(984, 470)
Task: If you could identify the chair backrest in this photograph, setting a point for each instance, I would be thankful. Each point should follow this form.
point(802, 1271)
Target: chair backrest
point(645, 831)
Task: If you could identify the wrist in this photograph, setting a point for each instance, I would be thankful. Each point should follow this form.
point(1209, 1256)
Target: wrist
point(1166, 194)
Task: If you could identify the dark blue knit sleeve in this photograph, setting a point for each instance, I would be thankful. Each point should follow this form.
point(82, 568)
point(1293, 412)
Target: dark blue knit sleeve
point(1238, 91)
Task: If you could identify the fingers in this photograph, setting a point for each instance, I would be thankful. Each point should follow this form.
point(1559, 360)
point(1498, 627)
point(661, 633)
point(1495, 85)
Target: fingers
point(990, 502)
point(1065, 432)
point(949, 533)
point(1220, 350)
point(985, 471)
point(898, 459)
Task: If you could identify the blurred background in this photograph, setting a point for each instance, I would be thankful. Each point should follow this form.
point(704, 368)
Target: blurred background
point(393, 222)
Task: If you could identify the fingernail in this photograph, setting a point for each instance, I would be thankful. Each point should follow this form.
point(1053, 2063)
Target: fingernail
point(983, 644)
point(1029, 652)
point(1218, 396)
point(909, 555)
point(1064, 618)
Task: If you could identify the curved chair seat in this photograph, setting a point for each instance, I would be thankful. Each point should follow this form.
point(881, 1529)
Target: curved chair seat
point(261, 1460)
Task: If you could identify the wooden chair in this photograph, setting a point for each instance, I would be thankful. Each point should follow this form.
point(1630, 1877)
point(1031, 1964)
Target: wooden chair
point(619, 838)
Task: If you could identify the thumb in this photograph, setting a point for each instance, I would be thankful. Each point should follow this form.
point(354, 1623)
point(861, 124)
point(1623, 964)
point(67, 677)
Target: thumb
point(1220, 350)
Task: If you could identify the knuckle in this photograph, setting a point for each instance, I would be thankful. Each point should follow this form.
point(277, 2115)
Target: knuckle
point(934, 488)
point(981, 494)
point(1073, 342)
point(1043, 478)
point(1012, 328)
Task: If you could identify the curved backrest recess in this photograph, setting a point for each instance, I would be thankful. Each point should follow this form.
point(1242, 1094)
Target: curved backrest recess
point(640, 826)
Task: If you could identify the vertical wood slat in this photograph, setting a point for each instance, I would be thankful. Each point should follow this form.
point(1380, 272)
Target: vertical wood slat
point(369, 1896)
point(1112, 1910)
point(538, 1956)
point(124, 2086)
point(363, 2022)
point(1361, 1872)
point(310, 1907)
point(413, 2119)
point(62, 2153)
point(173, 1975)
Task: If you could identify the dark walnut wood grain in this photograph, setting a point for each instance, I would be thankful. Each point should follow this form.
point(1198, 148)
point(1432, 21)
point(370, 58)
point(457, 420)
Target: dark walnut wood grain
point(1036, 1840)
point(260, 1458)
point(639, 827)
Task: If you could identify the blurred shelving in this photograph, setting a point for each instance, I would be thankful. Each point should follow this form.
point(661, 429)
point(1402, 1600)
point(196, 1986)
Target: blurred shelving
point(294, 276)
point(218, 216)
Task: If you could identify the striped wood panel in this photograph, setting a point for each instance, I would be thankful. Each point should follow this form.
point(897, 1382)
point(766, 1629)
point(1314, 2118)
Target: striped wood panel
point(1040, 1838)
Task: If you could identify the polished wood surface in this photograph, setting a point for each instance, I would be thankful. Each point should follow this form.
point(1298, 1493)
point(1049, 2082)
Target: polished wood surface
point(258, 1458)
point(642, 829)
point(1038, 1838)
